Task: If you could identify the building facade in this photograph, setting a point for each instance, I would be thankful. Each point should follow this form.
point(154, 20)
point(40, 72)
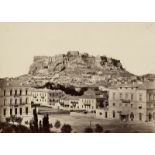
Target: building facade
point(40, 97)
point(130, 103)
point(15, 100)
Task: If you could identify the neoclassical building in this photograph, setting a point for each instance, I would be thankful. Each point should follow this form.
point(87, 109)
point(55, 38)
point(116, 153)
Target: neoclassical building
point(15, 100)
point(46, 97)
point(130, 103)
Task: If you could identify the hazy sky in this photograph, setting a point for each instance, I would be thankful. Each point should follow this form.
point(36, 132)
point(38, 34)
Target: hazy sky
point(132, 43)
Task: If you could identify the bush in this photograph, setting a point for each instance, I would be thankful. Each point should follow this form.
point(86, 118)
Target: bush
point(11, 128)
point(14, 119)
point(57, 124)
point(66, 128)
point(88, 130)
point(46, 128)
point(99, 128)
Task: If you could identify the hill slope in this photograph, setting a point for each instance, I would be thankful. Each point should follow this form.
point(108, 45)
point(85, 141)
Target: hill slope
point(79, 69)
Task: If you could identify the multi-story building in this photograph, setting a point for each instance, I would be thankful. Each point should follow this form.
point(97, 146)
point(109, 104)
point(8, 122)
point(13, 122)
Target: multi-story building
point(40, 97)
point(55, 96)
point(15, 100)
point(87, 102)
point(130, 102)
point(46, 97)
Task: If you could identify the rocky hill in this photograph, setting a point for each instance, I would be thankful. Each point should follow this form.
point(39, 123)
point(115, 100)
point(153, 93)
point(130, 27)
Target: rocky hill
point(79, 69)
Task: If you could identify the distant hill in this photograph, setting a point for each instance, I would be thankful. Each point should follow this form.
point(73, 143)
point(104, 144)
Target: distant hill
point(80, 69)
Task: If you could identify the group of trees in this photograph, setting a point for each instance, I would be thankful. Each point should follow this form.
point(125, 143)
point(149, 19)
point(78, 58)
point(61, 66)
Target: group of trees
point(98, 129)
point(45, 126)
point(13, 125)
point(70, 90)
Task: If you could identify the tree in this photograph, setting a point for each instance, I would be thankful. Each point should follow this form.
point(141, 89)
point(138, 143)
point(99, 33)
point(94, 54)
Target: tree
point(99, 128)
point(31, 124)
point(18, 120)
point(88, 130)
point(15, 129)
point(57, 124)
point(35, 117)
point(66, 128)
point(40, 126)
point(46, 127)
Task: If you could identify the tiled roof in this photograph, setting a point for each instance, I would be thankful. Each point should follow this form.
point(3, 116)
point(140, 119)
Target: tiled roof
point(144, 86)
point(124, 86)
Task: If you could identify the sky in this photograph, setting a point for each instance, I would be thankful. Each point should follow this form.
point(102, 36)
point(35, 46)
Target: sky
point(132, 43)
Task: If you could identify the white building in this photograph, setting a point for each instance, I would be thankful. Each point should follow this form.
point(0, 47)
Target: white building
point(130, 103)
point(15, 100)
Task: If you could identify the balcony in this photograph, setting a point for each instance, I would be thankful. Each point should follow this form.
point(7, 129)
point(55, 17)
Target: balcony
point(125, 101)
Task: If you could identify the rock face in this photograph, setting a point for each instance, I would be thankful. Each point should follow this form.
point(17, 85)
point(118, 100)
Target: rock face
point(78, 68)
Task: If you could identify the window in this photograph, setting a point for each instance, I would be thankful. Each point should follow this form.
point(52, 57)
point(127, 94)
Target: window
point(10, 92)
point(140, 97)
point(10, 112)
point(106, 114)
point(10, 101)
point(132, 116)
point(131, 105)
point(15, 101)
point(100, 113)
point(4, 102)
point(15, 92)
point(140, 116)
point(20, 111)
point(4, 92)
point(15, 111)
point(113, 95)
point(149, 97)
point(113, 114)
point(132, 97)
point(20, 92)
point(4, 112)
point(113, 104)
point(20, 100)
point(120, 95)
point(26, 110)
point(26, 100)
point(26, 91)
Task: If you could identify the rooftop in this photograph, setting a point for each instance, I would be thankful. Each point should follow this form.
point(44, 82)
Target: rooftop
point(145, 86)
point(9, 82)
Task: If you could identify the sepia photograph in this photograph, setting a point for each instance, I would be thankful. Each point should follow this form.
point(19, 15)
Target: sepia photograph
point(81, 77)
